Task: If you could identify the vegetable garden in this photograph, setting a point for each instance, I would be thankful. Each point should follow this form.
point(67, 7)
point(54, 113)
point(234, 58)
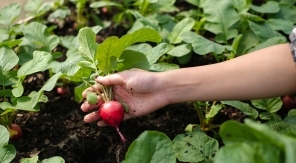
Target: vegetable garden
point(49, 59)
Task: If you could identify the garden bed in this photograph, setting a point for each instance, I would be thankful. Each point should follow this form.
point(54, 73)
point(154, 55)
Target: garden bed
point(58, 128)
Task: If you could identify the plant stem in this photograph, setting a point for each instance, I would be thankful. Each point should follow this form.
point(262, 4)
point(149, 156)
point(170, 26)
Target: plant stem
point(98, 93)
point(200, 116)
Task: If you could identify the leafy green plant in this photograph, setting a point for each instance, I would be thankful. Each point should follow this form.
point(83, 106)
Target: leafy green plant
point(112, 55)
point(268, 114)
point(48, 160)
point(126, 9)
point(206, 114)
point(254, 142)
point(7, 151)
point(188, 147)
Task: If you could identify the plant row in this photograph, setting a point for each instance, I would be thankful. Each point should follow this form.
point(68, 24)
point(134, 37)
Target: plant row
point(159, 37)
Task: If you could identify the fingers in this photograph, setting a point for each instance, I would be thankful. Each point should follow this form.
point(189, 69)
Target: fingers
point(91, 117)
point(113, 79)
point(85, 107)
point(97, 87)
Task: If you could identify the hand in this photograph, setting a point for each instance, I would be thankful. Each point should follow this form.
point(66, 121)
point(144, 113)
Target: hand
point(141, 90)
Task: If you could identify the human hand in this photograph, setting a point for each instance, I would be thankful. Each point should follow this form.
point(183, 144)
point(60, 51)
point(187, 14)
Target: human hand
point(141, 90)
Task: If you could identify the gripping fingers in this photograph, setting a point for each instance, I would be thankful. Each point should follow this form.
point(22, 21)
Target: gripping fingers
point(97, 87)
point(85, 107)
point(91, 117)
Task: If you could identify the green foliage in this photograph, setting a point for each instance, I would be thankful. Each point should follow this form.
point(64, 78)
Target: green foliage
point(157, 146)
point(34, 159)
point(159, 38)
point(195, 147)
point(7, 151)
point(254, 142)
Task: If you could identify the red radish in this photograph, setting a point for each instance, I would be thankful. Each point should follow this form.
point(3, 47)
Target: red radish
point(289, 102)
point(112, 113)
point(63, 90)
point(15, 132)
point(104, 10)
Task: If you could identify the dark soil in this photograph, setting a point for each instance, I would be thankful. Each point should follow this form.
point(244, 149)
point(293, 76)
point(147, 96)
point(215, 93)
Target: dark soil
point(59, 130)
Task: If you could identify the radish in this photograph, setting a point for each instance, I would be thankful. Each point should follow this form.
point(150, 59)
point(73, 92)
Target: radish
point(289, 102)
point(63, 90)
point(112, 113)
point(15, 131)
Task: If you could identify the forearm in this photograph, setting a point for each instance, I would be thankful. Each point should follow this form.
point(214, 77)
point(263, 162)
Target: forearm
point(265, 73)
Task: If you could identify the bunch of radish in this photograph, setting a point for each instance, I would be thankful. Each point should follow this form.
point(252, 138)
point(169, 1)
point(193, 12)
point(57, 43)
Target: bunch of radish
point(111, 112)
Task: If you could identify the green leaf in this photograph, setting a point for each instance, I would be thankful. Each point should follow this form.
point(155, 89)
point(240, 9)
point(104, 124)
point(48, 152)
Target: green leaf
point(9, 13)
point(18, 89)
point(88, 45)
point(252, 17)
point(248, 40)
point(8, 77)
point(8, 59)
point(203, 46)
point(141, 35)
point(182, 26)
point(221, 17)
point(268, 7)
point(263, 31)
point(105, 4)
point(159, 67)
point(144, 48)
point(132, 59)
point(59, 13)
point(78, 91)
point(248, 153)
point(271, 105)
point(282, 127)
point(270, 116)
point(244, 107)
point(270, 42)
point(254, 132)
point(158, 51)
point(70, 42)
point(7, 153)
point(32, 5)
point(11, 43)
point(151, 147)
point(111, 47)
point(195, 147)
point(48, 86)
point(213, 111)
point(280, 24)
point(30, 160)
point(37, 34)
point(292, 112)
point(4, 136)
point(180, 50)
point(70, 66)
point(56, 159)
point(242, 6)
point(4, 34)
point(39, 62)
point(23, 103)
point(287, 12)
point(290, 120)
point(87, 64)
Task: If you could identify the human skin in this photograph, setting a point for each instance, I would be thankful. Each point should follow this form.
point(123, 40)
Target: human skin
point(265, 73)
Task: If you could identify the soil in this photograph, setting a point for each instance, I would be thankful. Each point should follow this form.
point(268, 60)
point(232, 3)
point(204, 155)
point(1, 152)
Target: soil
point(59, 130)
